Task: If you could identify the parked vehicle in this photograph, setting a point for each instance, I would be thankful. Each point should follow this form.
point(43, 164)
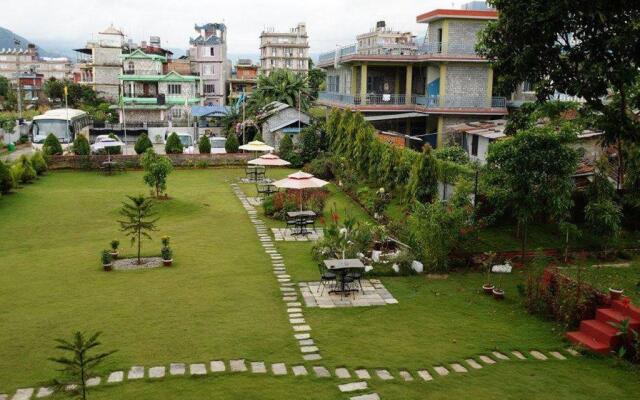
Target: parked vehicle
point(217, 145)
point(105, 141)
point(65, 124)
point(187, 142)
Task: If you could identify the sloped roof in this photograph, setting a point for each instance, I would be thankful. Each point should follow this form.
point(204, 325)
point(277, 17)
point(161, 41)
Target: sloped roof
point(111, 30)
point(139, 54)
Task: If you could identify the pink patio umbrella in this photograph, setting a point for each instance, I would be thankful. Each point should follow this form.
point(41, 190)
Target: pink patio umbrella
point(300, 181)
point(269, 160)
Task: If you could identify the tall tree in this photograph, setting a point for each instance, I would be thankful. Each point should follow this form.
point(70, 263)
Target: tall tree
point(156, 170)
point(317, 79)
point(581, 48)
point(530, 175)
point(423, 184)
point(284, 86)
point(79, 366)
point(138, 220)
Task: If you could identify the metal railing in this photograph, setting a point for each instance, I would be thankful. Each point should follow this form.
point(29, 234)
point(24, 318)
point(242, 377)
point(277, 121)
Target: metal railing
point(423, 101)
point(140, 71)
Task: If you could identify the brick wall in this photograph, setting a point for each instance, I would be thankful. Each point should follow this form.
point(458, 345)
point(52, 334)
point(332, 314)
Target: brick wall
point(463, 32)
point(468, 80)
point(131, 161)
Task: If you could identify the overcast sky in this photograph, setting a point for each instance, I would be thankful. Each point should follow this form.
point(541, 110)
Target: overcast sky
point(329, 22)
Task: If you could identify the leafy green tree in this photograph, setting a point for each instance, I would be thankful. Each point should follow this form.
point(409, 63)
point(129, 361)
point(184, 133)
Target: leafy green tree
point(455, 154)
point(157, 168)
point(309, 144)
point(80, 365)
point(231, 145)
point(38, 162)
point(258, 137)
point(285, 148)
point(81, 146)
point(317, 78)
point(51, 146)
point(173, 145)
point(204, 145)
point(602, 214)
point(559, 45)
point(4, 86)
point(284, 86)
point(142, 144)
point(530, 174)
point(423, 183)
point(54, 88)
point(6, 180)
point(138, 220)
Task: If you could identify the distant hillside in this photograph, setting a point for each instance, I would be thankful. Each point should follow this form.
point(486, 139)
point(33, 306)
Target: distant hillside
point(7, 38)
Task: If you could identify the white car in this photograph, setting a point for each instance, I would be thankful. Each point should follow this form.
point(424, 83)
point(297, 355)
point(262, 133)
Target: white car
point(186, 140)
point(104, 141)
point(217, 145)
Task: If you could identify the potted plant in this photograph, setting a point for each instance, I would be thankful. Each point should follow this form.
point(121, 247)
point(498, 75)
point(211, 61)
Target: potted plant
point(114, 248)
point(498, 292)
point(107, 263)
point(488, 263)
point(616, 290)
point(167, 255)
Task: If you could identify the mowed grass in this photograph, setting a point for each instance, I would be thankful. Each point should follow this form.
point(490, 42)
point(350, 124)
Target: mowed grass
point(220, 300)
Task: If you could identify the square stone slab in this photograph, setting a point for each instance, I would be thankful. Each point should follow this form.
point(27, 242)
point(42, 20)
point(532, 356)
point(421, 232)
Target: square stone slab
point(362, 374)
point(353, 387)
point(238, 365)
point(95, 381)
point(136, 373)
point(557, 355)
point(519, 355)
point(406, 376)
point(343, 373)
point(301, 328)
point(177, 369)
point(279, 369)
point(42, 392)
point(306, 342)
point(217, 366)
point(312, 357)
point(500, 356)
point(473, 363)
point(299, 370)
point(258, 367)
point(321, 372)
point(372, 396)
point(487, 360)
point(116, 376)
point(458, 368)
point(538, 355)
point(156, 372)
point(23, 394)
point(440, 370)
point(384, 374)
point(425, 375)
point(572, 352)
point(197, 369)
point(309, 349)
point(296, 321)
point(302, 336)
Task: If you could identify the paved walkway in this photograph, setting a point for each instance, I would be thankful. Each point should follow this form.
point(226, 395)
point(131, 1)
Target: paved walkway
point(373, 293)
point(286, 235)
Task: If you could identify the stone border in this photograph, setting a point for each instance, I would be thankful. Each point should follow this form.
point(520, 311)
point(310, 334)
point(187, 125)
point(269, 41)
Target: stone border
point(129, 264)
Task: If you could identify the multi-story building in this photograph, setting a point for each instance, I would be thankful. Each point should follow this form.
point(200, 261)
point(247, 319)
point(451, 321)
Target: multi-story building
point(285, 50)
point(208, 55)
point(100, 63)
point(417, 88)
point(243, 80)
point(383, 40)
point(28, 61)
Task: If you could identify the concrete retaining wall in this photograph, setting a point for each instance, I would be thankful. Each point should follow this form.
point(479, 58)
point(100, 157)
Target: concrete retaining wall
point(132, 161)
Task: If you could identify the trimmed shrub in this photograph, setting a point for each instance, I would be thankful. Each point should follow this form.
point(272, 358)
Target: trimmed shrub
point(81, 146)
point(51, 146)
point(38, 162)
point(114, 150)
point(232, 145)
point(173, 146)
point(142, 144)
point(204, 145)
point(285, 148)
point(28, 172)
point(321, 167)
point(6, 180)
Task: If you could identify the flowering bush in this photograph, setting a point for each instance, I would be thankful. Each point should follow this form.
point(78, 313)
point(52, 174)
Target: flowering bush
point(280, 203)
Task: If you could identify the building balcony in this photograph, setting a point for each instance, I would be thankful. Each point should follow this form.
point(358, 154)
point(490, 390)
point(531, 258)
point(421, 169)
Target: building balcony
point(448, 49)
point(402, 102)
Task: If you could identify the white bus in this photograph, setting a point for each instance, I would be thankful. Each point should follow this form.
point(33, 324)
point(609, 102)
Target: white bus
point(56, 122)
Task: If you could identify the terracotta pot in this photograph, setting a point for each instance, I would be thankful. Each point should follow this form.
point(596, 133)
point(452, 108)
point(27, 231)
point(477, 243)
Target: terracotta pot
point(114, 254)
point(498, 294)
point(488, 288)
point(107, 267)
point(167, 263)
point(615, 294)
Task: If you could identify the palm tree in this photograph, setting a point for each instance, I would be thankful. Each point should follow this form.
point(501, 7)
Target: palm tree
point(286, 87)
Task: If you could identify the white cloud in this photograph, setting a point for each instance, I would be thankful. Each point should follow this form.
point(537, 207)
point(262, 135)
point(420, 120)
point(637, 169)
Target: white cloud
point(329, 22)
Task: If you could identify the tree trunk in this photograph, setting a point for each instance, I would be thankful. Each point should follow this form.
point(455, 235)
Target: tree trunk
point(83, 386)
point(139, 261)
point(566, 247)
point(524, 242)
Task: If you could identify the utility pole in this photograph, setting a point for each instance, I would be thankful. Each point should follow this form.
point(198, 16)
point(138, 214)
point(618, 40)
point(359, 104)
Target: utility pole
point(17, 43)
point(244, 139)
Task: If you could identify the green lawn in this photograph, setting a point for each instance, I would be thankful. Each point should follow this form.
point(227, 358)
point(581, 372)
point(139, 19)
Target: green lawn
point(627, 277)
point(221, 301)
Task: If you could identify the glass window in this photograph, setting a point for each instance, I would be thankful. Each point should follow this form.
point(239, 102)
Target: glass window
point(212, 51)
point(173, 88)
point(42, 128)
point(210, 88)
point(474, 145)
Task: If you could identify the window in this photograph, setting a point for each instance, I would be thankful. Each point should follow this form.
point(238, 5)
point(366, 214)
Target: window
point(212, 51)
point(474, 145)
point(174, 88)
point(207, 69)
point(333, 84)
point(130, 67)
point(176, 113)
point(209, 88)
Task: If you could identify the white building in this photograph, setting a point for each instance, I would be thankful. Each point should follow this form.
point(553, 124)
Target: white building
point(285, 50)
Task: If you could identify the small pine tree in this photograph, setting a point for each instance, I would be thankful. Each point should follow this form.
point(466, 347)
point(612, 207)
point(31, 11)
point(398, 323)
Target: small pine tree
point(28, 172)
point(6, 180)
point(16, 174)
point(174, 145)
point(204, 145)
point(232, 145)
point(51, 146)
point(142, 144)
point(81, 146)
point(38, 162)
point(285, 148)
point(138, 220)
point(423, 183)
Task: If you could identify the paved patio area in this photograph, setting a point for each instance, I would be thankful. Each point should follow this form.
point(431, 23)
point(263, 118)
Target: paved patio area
point(286, 235)
point(373, 294)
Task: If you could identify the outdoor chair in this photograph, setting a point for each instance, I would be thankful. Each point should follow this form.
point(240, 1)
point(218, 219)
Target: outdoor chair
point(356, 276)
point(326, 278)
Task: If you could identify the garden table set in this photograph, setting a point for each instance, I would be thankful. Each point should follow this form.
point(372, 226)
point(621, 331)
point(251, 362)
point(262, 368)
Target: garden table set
point(299, 221)
point(346, 273)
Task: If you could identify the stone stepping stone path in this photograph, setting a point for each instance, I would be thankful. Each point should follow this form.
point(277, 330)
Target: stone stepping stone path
point(440, 370)
point(406, 376)
point(363, 374)
point(217, 366)
point(425, 375)
point(197, 369)
point(279, 369)
point(177, 369)
point(458, 368)
point(557, 355)
point(343, 373)
point(538, 355)
point(258, 367)
point(95, 381)
point(519, 355)
point(299, 370)
point(487, 360)
point(136, 373)
point(372, 396)
point(384, 374)
point(308, 348)
point(321, 372)
point(157, 372)
point(115, 377)
point(237, 366)
point(500, 356)
point(353, 387)
point(473, 363)
point(23, 394)
point(43, 392)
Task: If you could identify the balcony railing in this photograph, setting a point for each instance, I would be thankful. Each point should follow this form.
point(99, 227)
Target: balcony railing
point(139, 71)
point(422, 101)
point(434, 49)
point(446, 48)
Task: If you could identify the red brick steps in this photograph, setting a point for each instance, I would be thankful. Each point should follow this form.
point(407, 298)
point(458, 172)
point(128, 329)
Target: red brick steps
point(597, 334)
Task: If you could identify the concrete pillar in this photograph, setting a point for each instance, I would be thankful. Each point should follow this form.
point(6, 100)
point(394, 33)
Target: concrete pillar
point(440, 130)
point(354, 80)
point(408, 85)
point(443, 85)
point(396, 89)
point(363, 83)
point(489, 85)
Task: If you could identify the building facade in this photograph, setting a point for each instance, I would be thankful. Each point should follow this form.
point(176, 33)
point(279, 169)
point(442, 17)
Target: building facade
point(285, 50)
point(100, 63)
point(208, 55)
point(416, 88)
point(28, 61)
point(244, 79)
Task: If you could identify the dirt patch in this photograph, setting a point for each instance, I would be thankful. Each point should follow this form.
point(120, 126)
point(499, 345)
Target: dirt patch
point(128, 264)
